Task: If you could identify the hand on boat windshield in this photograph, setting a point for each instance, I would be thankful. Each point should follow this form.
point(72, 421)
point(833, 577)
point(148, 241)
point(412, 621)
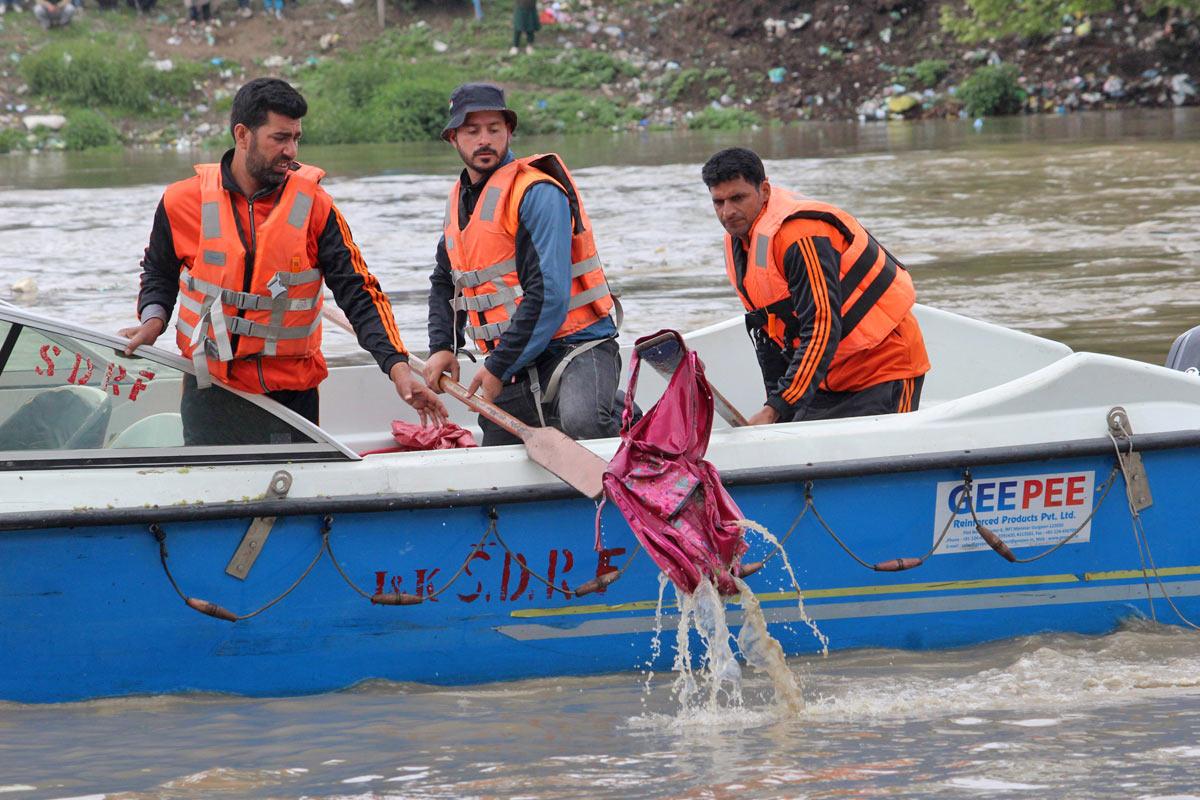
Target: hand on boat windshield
point(443, 361)
point(421, 398)
point(144, 334)
point(765, 416)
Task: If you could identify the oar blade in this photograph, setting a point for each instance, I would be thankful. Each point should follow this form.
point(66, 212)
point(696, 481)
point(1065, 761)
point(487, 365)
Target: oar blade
point(664, 353)
point(566, 458)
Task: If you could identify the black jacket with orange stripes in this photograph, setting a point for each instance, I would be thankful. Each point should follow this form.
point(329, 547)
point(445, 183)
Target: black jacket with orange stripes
point(779, 365)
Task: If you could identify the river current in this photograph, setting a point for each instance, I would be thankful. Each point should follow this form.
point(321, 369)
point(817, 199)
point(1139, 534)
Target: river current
point(1085, 229)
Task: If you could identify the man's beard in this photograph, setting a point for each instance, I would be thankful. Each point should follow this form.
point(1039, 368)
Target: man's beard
point(471, 161)
point(261, 169)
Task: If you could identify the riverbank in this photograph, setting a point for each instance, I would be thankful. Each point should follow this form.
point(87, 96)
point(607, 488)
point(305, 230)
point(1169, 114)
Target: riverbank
point(116, 77)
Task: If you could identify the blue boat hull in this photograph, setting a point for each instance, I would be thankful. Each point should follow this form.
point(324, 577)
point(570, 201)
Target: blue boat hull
point(89, 611)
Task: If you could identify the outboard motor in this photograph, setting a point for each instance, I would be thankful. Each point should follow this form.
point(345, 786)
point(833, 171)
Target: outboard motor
point(1185, 352)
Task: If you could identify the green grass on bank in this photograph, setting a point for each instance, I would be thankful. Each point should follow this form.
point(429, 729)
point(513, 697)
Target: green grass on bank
point(393, 89)
point(397, 89)
point(1039, 19)
point(109, 72)
point(95, 77)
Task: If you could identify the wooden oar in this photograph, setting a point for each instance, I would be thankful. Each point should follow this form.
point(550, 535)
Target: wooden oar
point(548, 447)
point(664, 354)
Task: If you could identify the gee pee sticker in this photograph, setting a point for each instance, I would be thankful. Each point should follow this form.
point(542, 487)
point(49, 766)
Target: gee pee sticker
point(1023, 510)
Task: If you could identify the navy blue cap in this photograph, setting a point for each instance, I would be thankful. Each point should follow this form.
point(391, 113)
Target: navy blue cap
point(477, 97)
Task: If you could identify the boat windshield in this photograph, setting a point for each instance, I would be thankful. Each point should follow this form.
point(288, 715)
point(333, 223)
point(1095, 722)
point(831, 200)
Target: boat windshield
point(63, 396)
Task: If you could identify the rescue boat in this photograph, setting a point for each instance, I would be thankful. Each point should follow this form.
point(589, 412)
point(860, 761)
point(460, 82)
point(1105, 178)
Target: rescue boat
point(1036, 489)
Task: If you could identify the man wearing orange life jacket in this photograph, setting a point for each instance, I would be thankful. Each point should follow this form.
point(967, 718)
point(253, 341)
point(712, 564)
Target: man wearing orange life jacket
point(517, 271)
point(246, 245)
point(828, 308)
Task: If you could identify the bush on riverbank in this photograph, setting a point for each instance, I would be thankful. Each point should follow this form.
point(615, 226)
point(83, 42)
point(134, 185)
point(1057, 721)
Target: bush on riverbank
point(398, 91)
point(10, 139)
point(723, 119)
point(991, 19)
point(365, 100)
point(109, 73)
point(567, 69)
point(929, 73)
point(570, 112)
point(987, 19)
point(992, 91)
point(86, 129)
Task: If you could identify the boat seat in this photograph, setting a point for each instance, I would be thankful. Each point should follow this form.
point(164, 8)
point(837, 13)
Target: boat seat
point(157, 430)
point(65, 418)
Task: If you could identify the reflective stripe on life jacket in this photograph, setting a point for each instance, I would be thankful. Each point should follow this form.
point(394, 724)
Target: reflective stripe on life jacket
point(277, 313)
point(876, 289)
point(483, 255)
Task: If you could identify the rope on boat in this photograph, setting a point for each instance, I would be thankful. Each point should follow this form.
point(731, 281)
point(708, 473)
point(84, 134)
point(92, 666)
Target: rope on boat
point(599, 583)
point(965, 502)
point(404, 598)
point(895, 564)
point(606, 579)
point(997, 544)
point(1142, 540)
point(795, 523)
point(492, 530)
point(210, 608)
point(749, 524)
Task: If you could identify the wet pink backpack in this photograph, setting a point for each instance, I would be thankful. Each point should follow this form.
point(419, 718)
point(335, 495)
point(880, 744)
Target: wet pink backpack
point(672, 498)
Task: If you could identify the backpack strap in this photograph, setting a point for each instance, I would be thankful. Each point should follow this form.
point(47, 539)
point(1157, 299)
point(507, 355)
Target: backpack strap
point(635, 364)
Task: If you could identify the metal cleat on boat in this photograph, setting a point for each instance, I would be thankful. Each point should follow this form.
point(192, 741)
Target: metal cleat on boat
point(1120, 431)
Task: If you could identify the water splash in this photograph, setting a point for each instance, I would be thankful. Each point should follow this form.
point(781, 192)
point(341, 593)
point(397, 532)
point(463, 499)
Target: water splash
point(713, 690)
point(718, 682)
point(762, 651)
point(776, 547)
point(656, 639)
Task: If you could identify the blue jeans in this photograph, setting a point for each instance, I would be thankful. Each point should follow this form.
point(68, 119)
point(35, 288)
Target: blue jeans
point(585, 406)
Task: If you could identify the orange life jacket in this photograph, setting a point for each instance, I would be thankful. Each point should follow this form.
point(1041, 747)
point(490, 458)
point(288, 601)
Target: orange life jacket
point(877, 291)
point(483, 255)
point(277, 314)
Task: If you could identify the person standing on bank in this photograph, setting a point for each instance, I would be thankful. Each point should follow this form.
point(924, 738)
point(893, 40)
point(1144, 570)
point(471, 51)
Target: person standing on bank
point(248, 244)
point(517, 271)
point(526, 21)
point(829, 309)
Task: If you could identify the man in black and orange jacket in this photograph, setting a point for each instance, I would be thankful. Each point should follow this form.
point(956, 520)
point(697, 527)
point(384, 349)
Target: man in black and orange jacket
point(828, 308)
point(246, 246)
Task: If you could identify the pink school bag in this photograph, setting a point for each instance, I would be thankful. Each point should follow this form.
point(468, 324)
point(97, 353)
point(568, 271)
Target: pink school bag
point(671, 497)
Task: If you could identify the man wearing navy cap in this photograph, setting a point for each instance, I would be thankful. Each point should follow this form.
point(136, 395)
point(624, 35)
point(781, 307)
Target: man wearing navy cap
point(517, 271)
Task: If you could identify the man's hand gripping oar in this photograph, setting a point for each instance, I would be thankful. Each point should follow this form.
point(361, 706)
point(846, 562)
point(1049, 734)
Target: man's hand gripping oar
point(547, 447)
